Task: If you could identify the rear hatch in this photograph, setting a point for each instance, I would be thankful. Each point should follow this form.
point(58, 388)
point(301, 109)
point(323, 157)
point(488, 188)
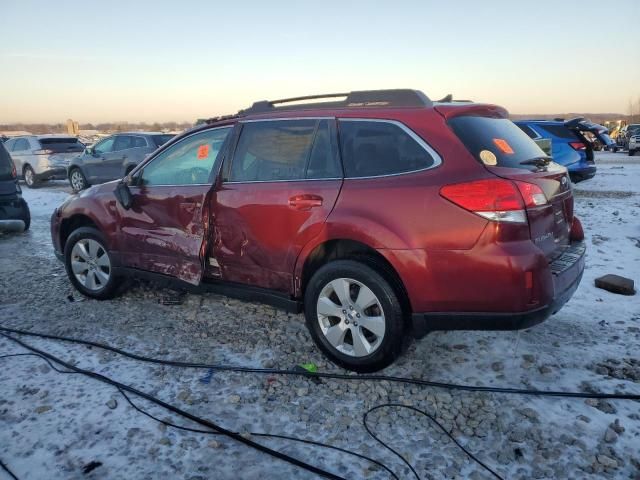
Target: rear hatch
point(61, 149)
point(506, 151)
point(588, 132)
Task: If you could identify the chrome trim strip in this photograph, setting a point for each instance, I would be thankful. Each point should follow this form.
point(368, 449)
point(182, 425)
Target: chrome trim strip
point(253, 120)
point(280, 181)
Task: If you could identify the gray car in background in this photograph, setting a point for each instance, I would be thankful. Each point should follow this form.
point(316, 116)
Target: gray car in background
point(113, 157)
point(42, 157)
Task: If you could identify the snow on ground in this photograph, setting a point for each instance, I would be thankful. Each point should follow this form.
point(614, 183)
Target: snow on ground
point(53, 425)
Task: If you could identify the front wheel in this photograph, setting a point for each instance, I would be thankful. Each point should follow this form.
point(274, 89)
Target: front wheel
point(77, 180)
point(88, 263)
point(30, 177)
point(354, 316)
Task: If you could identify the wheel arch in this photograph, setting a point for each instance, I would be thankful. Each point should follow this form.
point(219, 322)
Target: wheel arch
point(72, 223)
point(348, 249)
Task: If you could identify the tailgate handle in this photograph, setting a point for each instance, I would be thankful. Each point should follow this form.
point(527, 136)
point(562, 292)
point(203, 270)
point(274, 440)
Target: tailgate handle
point(305, 202)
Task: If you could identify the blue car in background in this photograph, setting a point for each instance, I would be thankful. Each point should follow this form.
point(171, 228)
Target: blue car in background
point(572, 143)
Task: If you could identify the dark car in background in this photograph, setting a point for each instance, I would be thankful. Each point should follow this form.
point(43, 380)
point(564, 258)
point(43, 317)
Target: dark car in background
point(624, 138)
point(113, 157)
point(572, 143)
point(14, 211)
point(43, 157)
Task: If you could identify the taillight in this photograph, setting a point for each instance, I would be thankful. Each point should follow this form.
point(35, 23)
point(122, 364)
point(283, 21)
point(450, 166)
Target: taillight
point(532, 194)
point(578, 145)
point(44, 151)
point(14, 173)
point(496, 199)
point(577, 233)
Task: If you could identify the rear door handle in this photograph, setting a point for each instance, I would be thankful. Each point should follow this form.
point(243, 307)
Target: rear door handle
point(305, 202)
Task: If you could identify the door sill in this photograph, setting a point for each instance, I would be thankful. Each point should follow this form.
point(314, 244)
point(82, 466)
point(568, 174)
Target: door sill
point(239, 291)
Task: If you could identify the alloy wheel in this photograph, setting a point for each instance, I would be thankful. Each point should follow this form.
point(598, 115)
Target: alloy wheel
point(28, 177)
point(351, 317)
point(77, 182)
point(90, 264)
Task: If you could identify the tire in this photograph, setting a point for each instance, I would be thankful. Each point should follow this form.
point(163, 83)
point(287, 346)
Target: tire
point(77, 180)
point(632, 153)
point(354, 346)
point(29, 176)
point(89, 263)
point(26, 216)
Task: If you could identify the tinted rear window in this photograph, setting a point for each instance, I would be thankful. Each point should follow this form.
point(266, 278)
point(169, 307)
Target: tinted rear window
point(6, 165)
point(496, 141)
point(558, 131)
point(62, 145)
point(160, 140)
point(529, 131)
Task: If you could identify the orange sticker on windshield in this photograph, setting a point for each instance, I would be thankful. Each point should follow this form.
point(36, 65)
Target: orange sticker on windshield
point(203, 152)
point(503, 145)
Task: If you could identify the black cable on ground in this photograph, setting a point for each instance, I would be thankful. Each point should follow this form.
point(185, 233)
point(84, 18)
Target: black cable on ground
point(207, 423)
point(430, 417)
point(334, 376)
point(6, 469)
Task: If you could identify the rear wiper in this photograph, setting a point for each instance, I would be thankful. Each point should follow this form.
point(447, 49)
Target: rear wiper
point(537, 161)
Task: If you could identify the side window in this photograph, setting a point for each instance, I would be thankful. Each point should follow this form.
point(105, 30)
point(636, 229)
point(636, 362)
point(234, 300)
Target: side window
point(188, 162)
point(374, 148)
point(21, 145)
point(323, 163)
point(138, 142)
point(273, 150)
point(122, 142)
point(105, 146)
point(9, 144)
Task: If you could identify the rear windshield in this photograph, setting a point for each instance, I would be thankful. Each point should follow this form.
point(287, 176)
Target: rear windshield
point(6, 165)
point(62, 145)
point(496, 141)
point(558, 131)
point(160, 140)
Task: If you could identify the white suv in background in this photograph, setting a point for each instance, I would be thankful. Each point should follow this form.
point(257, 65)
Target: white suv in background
point(43, 157)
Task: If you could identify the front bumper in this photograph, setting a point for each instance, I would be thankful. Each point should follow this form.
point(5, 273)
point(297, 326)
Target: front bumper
point(566, 272)
point(55, 234)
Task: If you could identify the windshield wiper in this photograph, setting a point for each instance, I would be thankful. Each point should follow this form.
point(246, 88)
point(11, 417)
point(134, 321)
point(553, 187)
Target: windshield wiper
point(537, 161)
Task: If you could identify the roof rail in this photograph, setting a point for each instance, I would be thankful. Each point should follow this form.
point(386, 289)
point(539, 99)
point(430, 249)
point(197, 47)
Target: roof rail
point(358, 99)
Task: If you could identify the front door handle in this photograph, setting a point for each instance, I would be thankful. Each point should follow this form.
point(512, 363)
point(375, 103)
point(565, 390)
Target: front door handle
point(305, 202)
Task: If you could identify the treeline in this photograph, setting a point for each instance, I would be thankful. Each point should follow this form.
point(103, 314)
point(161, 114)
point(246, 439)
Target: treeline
point(108, 127)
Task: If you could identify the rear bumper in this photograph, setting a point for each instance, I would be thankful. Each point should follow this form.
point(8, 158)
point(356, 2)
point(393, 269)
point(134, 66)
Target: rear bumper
point(13, 208)
point(566, 272)
point(582, 173)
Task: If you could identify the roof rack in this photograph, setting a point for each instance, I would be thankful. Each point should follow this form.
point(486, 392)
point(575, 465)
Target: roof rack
point(359, 99)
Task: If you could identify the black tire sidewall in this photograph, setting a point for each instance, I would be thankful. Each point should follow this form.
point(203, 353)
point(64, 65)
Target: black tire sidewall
point(108, 290)
point(391, 346)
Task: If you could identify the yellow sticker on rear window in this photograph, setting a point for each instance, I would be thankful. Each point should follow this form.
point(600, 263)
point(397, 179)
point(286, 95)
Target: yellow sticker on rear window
point(488, 157)
point(203, 152)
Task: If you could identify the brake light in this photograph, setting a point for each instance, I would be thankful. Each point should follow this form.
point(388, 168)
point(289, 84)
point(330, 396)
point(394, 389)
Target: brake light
point(44, 151)
point(577, 233)
point(496, 199)
point(578, 145)
point(14, 172)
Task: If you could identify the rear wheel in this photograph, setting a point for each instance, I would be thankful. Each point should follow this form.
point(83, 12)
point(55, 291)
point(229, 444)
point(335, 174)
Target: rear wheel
point(632, 152)
point(77, 180)
point(88, 263)
point(354, 316)
point(30, 177)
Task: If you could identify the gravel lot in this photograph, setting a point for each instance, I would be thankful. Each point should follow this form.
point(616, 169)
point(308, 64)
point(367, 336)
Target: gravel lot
point(54, 425)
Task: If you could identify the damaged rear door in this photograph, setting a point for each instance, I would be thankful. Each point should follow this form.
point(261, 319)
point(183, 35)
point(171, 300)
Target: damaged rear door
point(165, 228)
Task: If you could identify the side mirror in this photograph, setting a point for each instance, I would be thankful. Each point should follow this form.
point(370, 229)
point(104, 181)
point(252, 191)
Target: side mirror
point(123, 195)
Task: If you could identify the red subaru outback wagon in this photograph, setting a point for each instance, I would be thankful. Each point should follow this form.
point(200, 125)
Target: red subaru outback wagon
point(381, 213)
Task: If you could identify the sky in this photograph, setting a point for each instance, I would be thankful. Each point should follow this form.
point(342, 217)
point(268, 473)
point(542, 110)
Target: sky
point(178, 61)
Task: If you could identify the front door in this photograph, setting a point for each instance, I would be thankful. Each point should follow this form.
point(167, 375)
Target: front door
point(165, 228)
point(93, 162)
point(275, 195)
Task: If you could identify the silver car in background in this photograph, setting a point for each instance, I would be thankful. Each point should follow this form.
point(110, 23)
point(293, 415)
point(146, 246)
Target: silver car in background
point(42, 157)
point(113, 157)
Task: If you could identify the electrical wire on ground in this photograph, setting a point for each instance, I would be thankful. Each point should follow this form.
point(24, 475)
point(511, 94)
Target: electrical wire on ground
point(334, 376)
